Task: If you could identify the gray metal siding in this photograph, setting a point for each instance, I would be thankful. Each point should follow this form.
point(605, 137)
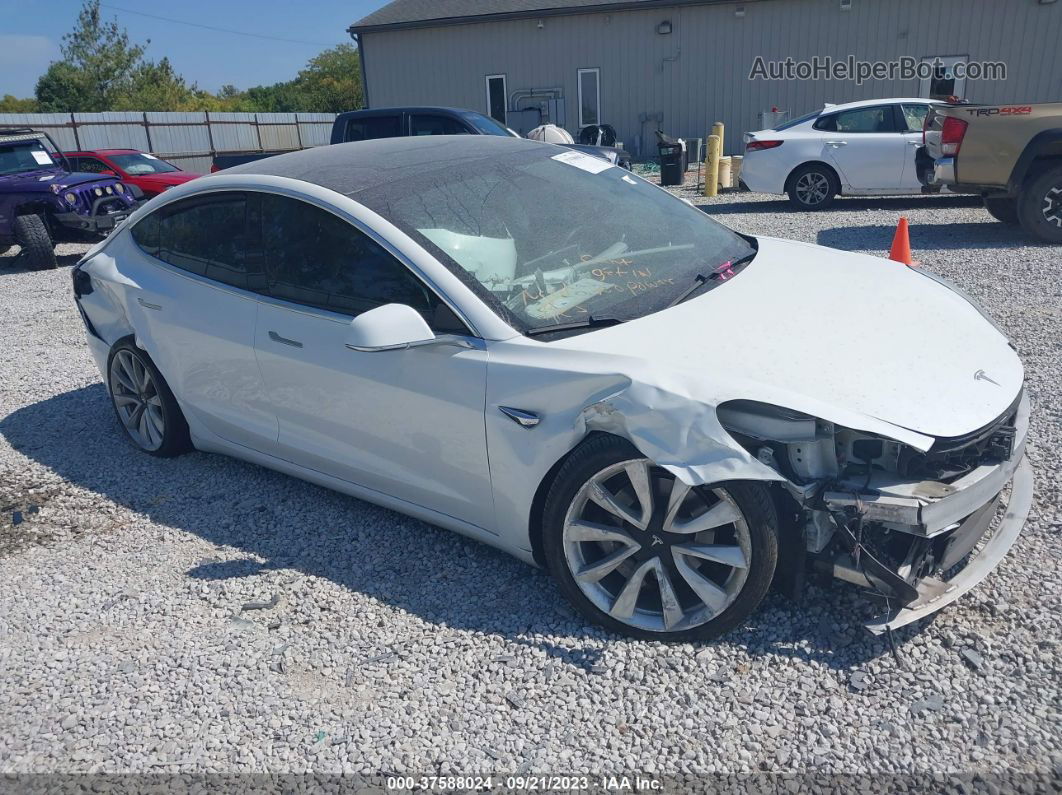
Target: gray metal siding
point(713, 51)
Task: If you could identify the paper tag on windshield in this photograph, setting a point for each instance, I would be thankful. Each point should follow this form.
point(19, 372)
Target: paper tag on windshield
point(42, 158)
point(595, 165)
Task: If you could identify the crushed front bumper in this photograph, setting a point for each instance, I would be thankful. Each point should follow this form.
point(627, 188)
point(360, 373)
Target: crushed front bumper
point(945, 521)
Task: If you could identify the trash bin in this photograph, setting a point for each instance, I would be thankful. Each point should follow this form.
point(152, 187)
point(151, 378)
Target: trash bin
point(671, 156)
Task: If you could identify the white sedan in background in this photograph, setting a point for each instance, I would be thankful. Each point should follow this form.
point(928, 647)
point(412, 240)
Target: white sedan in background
point(857, 149)
point(662, 412)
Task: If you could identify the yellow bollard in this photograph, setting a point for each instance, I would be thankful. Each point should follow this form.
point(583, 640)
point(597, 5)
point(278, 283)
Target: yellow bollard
point(717, 129)
point(711, 166)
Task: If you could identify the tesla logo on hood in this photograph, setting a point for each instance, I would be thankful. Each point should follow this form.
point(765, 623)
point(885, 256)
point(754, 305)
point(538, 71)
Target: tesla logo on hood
point(980, 376)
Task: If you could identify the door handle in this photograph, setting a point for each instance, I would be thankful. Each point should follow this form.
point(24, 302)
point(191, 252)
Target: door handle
point(914, 143)
point(284, 340)
point(837, 143)
point(147, 305)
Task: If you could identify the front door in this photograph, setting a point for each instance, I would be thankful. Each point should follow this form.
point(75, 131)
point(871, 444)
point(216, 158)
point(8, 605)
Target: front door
point(865, 147)
point(406, 423)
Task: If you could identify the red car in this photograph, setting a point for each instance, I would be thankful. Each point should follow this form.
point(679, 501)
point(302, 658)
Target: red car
point(149, 173)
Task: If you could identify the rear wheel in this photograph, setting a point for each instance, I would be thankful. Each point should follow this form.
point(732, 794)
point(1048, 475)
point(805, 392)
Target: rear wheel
point(641, 553)
point(144, 404)
point(31, 233)
point(813, 187)
point(1040, 206)
point(1003, 209)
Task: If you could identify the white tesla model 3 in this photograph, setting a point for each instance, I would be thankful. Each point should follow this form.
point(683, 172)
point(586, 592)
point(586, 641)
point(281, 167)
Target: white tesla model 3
point(546, 353)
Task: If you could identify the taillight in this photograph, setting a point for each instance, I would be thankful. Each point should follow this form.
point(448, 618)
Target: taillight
point(755, 146)
point(951, 135)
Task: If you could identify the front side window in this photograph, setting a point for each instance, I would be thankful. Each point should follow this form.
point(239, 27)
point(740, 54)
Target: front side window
point(425, 124)
point(914, 116)
point(862, 120)
point(526, 229)
point(90, 165)
point(589, 97)
point(372, 127)
point(315, 258)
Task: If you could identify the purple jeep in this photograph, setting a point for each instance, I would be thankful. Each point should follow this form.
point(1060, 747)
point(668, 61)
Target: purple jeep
point(41, 201)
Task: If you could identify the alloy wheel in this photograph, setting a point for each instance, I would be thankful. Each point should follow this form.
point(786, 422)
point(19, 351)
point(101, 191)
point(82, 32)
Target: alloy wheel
point(652, 552)
point(137, 400)
point(1052, 208)
point(812, 188)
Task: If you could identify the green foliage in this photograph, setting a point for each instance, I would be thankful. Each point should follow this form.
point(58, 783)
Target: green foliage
point(102, 70)
point(12, 104)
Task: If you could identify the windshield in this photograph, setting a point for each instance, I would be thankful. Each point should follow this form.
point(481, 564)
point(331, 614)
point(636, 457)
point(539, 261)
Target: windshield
point(138, 164)
point(795, 122)
point(20, 156)
point(555, 236)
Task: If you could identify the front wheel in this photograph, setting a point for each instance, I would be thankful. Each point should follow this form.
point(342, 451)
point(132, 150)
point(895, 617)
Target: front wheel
point(1040, 206)
point(641, 553)
point(813, 187)
point(31, 233)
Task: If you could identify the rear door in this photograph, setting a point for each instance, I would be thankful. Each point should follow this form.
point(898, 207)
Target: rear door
point(196, 306)
point(865, 146)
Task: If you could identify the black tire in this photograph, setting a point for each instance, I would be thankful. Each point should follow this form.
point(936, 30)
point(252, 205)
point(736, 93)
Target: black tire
point(1040, 206)
point(31, 233)
point(1004, 209)
point(754, 501)
point(817, 173)
point(175, 438)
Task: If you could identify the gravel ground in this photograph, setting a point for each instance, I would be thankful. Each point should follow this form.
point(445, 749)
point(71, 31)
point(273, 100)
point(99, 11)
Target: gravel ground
point(128, 642)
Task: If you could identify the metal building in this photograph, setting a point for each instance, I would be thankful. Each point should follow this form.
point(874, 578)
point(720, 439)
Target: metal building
point(680, 65)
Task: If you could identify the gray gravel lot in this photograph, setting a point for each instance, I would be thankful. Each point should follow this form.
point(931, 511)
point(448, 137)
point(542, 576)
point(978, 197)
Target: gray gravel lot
point(395, 646)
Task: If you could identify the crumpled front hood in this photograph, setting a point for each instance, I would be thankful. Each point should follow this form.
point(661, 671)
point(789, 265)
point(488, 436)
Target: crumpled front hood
point(841, 336)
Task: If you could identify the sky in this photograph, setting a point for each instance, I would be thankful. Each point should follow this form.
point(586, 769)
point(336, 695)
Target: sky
point(32, 29)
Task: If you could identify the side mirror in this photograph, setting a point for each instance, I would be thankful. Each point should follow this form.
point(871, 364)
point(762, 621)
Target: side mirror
point(388, 328)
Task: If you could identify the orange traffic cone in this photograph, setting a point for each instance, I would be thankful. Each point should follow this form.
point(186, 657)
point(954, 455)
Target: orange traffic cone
point(901, 245)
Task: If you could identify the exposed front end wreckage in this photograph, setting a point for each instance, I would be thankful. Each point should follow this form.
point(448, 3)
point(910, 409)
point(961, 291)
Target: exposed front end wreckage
point(916, 527)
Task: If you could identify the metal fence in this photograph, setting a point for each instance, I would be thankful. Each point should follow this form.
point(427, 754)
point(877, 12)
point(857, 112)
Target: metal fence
point(188, 140)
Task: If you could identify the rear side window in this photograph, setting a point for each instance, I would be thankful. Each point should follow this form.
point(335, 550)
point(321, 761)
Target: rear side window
point(215, 236)
point(368, 128)
point(315, 258)
point(914, 116)
point(425, 124)
point(862, 120)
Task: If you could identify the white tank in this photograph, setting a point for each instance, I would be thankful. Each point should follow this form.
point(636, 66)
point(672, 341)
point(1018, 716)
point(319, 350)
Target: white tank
point(551, 134)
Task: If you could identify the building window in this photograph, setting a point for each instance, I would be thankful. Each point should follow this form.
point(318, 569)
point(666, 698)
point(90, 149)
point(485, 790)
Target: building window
point(943, 84)
point(496, 97)
point(589, 97)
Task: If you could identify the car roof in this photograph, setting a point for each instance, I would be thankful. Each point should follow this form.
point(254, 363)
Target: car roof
point(101, 151)
point(351, 167)
point(407, 109)
point(866, 103)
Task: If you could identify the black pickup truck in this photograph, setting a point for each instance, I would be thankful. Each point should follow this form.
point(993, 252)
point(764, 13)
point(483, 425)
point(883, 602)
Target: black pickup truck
point(364, 125)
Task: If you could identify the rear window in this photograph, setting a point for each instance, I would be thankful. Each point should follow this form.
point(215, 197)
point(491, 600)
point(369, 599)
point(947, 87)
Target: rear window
point(795, 122)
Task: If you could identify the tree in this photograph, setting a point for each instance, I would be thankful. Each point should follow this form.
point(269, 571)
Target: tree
point(97, 67)
point(156, 86)
point(331, 82)
point(12, 104)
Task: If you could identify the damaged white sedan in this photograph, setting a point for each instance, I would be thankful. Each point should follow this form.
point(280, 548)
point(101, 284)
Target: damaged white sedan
point(534, 348)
